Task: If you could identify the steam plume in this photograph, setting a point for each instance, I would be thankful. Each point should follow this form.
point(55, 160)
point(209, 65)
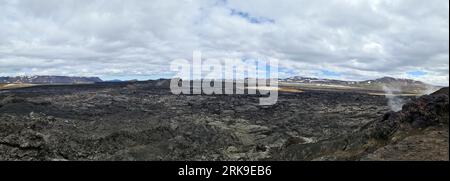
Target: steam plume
point(395, 103)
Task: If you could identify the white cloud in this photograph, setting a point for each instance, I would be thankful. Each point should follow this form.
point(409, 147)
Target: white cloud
point(113, 39)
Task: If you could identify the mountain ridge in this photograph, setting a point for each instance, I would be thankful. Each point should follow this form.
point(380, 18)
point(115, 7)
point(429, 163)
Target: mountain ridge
point(386, 79)
point(385, 84)
point(49, 79)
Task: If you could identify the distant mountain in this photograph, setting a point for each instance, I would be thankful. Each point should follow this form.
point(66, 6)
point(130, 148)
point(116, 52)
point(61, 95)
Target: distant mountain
point(395, 81)
point(114, 80)
point(384, 80)
point(310, 80)
point(402, 84)
point(376, 84)
point(49, 80)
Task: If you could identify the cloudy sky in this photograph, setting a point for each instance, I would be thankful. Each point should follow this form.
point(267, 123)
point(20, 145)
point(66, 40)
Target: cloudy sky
point(343, 39)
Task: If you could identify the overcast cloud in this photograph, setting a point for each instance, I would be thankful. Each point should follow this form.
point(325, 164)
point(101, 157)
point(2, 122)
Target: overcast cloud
point(343, 39)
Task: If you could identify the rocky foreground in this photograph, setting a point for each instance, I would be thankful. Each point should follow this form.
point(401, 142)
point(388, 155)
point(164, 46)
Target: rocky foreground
point(144, 121)
point(418, 132)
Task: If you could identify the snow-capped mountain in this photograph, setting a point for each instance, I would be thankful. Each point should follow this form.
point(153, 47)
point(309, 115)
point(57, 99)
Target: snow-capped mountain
point(375, 84)
point(49, 80)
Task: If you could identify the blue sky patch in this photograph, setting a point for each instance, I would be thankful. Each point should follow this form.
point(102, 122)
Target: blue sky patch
point(329, 73)
point(249, 18)
point(416, 73)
